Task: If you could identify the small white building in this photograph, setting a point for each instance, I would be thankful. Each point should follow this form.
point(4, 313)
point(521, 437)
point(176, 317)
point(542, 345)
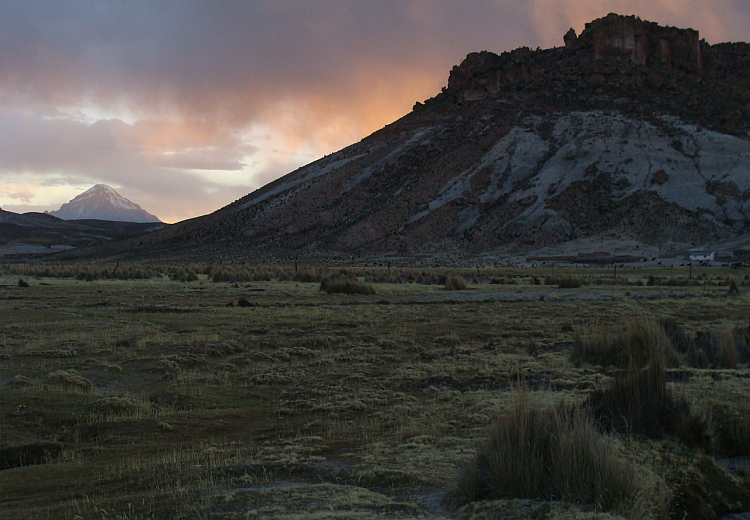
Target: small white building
point(702, 256)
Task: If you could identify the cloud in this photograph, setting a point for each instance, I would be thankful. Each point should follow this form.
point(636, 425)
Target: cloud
point(189, 105)
point(167, 166)
point(232, 62)
point(21, 193)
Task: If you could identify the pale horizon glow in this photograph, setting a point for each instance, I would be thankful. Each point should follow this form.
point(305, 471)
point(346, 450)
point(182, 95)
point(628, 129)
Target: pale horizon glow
point(188, 106)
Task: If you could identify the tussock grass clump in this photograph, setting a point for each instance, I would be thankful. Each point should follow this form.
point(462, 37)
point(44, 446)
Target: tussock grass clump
point(344, 284)
point(636, 342)
point(71, 379)
point(558, 454)
point(733, 288)
point(640, 340)
point(455, 282)
point(308, 275)
point(566, 281)
point(182, 274)
point(639, 402)
point(714, 349)
point(730, 430)
point(570, 281)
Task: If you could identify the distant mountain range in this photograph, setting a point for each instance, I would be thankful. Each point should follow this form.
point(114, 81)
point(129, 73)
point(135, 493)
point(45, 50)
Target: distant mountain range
point(44, 233)
point(631, 133)
point(101, 202)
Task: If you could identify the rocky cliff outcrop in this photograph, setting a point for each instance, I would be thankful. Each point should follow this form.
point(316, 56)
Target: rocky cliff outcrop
point(641, 42)
point(621, 57)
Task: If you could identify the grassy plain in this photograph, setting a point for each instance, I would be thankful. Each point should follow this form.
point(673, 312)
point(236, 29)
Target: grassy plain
point(155, 398)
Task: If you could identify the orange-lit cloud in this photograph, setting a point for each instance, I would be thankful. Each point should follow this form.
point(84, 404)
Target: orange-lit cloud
point(190, 105)
point(19, 193)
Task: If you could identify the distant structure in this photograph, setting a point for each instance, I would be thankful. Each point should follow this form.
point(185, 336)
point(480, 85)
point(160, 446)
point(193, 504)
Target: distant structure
point(702, 256)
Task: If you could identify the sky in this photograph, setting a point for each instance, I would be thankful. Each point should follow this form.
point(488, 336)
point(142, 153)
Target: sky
point(185, 106)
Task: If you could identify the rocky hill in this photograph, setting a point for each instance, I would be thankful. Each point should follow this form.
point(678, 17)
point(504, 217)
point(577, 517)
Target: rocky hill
point(630, 131)
point(101, 202)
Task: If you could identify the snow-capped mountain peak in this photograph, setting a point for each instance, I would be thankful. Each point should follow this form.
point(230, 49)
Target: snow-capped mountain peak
point(101, 202)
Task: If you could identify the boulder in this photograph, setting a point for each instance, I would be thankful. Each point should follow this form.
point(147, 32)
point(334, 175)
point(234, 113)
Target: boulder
point(570, 38)
point(660, 177)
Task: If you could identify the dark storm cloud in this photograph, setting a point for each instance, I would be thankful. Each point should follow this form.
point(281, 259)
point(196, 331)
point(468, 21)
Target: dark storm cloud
point(190, 80)
point(230, 61)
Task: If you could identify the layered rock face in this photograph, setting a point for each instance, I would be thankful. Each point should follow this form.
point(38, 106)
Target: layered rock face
point(641, 42)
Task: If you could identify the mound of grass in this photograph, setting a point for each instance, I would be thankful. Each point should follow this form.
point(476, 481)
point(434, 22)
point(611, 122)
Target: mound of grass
point(558, 454)
point(343, 284)
point(455, 282)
